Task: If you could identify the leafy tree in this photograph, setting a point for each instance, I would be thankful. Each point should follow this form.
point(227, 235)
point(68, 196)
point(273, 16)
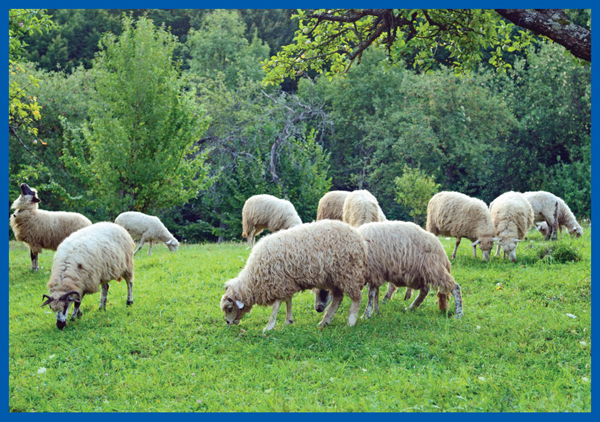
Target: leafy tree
point(330, 41)
point(23, 108)
point(138, 150)
point(414, 189)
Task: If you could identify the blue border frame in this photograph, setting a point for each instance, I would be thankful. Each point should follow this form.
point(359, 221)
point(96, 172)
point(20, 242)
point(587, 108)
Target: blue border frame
point(271, 4)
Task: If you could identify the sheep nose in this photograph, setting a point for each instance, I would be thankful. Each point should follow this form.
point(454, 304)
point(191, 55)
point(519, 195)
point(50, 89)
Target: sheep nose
point(61, 324)
point(319, 309)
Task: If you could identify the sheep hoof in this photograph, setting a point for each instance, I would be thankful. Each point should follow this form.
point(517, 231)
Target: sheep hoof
point(289, 321)
point(129, 302)
point(458, 316)
point(385, 300)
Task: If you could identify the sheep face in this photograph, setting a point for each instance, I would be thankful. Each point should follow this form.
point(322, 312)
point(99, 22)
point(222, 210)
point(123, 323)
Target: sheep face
point(234, 310)
point(172, 244)
point(322, 299)
point(28, 198)
point(486, 244)
point(577, 231)
point(543, 228)
point(60, 304)
point(509, 246)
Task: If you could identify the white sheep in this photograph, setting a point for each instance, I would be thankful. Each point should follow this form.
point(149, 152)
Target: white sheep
point(41, 229)
point(89, 258)
point(575, 231)
point(512, 216)
point(326, 254)
point(331, 205)
point(147, 228)
point(266, 212)
point(457, 215)
point(361, 207)
point(404, 254)
point(555, 212)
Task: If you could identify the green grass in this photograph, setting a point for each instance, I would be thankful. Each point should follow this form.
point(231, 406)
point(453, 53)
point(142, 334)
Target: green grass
point(515, 350)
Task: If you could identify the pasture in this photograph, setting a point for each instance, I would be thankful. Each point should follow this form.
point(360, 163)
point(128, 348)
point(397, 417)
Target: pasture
point(524, 344)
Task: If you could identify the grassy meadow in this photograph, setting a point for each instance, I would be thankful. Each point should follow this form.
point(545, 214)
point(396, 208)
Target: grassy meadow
point(524, 344)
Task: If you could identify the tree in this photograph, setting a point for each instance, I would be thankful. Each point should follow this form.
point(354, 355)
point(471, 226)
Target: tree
point(414, 189)
point(138, 149)
point(330, 41)
point(23, 109)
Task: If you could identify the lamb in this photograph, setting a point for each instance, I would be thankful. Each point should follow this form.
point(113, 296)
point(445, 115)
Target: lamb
point(41, 229)
point(147, 228)
point(331, 205)
point(576, 231)
point(458, 215)
point(555, 212)
point(326, 254)
point(406, 255)
point(262, 212)
point(360, 207)
point(512, 216)
point(87, 259)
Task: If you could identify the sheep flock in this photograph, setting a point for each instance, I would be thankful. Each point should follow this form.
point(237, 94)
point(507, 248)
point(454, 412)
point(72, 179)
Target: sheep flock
point(350, 245)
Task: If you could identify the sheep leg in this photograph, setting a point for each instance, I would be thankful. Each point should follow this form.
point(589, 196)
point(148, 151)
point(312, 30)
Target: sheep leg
point(390, 292)
point(271, 323)
point(474, 251)
point(251, 238)
point(458, 312)
point(422, 295)
point(333, 307)
point(149, 247)
point(373, 296)
point(497, 250)
point(129, 290)
point(140, 245)
point(77, 313)
point(289, 318)
point(103, 296)
point(34, 260)
point(353, 311)
point(456, 247)
point(443, 300)
point(408, 293)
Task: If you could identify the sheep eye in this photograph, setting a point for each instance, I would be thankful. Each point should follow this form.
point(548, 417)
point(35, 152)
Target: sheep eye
point(230, 309)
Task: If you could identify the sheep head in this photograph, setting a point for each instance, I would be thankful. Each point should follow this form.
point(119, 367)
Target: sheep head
point(509, 246)
point(28, 198)
point(577, 231)
point(322, 299)
point(172, 244)
point(233, 309)
point(485, 244)
point(60, 304)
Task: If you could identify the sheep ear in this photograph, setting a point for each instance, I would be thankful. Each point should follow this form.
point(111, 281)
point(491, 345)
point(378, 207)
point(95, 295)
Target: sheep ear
point(517, 240)
point(239, 304)
point(36, 199)
point(168, 242)
point(496, 239)
point(475, 243)
point(574, 228)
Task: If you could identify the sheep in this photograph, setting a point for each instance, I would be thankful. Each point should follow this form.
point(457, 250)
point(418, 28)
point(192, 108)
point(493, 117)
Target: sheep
point(543, 229)
point(147, 228)
point(331, 205)
point(41, 229)
point(512, 216)
point(360, 207)
point(262, 212)
point(87, 259)
point(326, 254)
point(406, 255)
point(458, 215)
point(555, 212)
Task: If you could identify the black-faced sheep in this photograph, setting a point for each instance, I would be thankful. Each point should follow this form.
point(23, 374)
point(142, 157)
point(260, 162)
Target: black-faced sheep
point(326, 254)
point(86, 260)
point(266, 212)
point(457, 215)
point(41, 229)
point(147, 228)
point(512, 217)
point(331, 205)
point(361, 207)
point(555, 212)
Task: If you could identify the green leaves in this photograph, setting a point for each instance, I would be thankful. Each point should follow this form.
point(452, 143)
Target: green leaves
point(414, 189)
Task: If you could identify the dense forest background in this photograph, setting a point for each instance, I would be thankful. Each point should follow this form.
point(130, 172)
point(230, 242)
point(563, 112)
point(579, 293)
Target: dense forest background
point(108, 80)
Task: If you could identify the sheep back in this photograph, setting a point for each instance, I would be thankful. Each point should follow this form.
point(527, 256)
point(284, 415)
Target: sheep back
point(139, 224)
point(326, 254)
point(91, 256)
point(268, 212)
point(331, 205)
point(512, 215)
point(405, 255)
point(361, 207)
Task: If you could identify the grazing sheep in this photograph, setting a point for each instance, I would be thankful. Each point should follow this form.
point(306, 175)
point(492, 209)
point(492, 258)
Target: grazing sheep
point(326, 254)
point(360, 207)
point(331, 205)
point(575, 231)
point(555, 212)
point(262, 212)
point(457, 215)
point(512, 216)
point(89, 258)
point(41, 229)
point(406, 255)
point(147, 228)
